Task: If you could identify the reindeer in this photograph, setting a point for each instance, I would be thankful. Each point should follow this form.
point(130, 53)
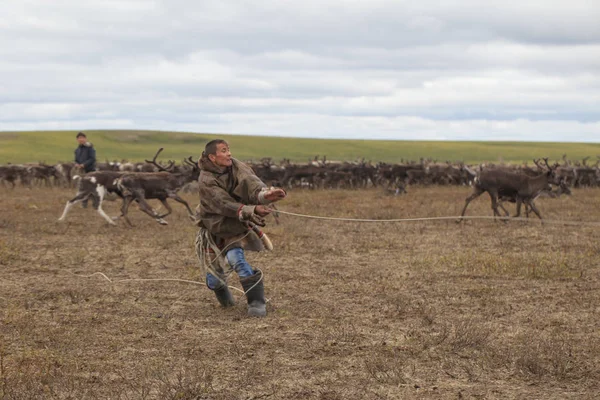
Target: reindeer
point(502, 183)
point(563, 188)
point(296, 173)
point(156, 185)
point(11, 173)
point(42, 173)
point(95, 185)
point(64, 171)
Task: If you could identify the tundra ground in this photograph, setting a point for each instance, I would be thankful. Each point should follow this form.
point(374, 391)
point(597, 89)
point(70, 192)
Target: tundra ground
point(437, 310)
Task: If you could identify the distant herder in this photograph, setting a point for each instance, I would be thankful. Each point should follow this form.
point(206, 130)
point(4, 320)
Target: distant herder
point(85, 155)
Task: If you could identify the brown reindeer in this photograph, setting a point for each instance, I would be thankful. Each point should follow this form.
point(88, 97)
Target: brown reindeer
point(563, 188)
point(156, 185)
point(500, 183)
point(13, 173)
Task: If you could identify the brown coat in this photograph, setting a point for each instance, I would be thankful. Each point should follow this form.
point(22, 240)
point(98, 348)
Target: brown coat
point(223, 191)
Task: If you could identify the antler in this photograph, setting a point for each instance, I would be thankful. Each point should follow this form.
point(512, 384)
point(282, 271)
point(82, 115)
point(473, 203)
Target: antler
point(156, 155)
point(160, 167)
point(546, 161)
point(190, 161)
point(551, 168)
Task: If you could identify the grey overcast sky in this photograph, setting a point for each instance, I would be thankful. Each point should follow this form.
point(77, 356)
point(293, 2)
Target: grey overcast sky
point(366, 69)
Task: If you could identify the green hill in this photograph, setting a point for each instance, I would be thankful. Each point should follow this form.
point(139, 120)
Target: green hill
point(53, 146)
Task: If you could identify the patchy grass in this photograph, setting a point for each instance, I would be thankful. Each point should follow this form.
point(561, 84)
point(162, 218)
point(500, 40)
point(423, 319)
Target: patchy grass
point(54, 146)
point(378, 310)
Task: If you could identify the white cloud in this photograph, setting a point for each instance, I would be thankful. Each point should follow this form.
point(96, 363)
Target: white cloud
point(365, 69)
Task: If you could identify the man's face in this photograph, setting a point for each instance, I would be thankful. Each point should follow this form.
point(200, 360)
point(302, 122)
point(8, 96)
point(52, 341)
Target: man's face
point(81, 139)
point(222, 158)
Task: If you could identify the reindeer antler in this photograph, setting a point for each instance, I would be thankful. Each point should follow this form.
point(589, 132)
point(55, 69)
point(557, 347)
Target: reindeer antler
point(190, 161)
point(156, 155)
point(551, 168)
point(160, 167)
point(193, 163)
point(546, 162)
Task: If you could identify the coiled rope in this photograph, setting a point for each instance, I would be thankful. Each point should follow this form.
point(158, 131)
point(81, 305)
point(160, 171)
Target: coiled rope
point(180, 280)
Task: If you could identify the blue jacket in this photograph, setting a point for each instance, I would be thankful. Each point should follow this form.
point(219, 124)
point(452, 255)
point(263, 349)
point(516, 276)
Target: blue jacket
point(86, 155)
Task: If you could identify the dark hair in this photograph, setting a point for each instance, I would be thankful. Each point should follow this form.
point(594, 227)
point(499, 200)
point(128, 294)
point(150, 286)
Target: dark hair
point(81, 134)
point(211, 147)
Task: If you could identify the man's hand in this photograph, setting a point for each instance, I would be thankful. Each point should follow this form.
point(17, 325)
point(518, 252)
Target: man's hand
point(254, 214)
point(263, 211)
point(275, 194)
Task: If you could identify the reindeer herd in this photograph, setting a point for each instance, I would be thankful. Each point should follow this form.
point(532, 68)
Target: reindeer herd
point(139, 182)
point(326, 174)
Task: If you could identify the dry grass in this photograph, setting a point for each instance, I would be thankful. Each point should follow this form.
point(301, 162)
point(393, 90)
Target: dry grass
point(370, 311)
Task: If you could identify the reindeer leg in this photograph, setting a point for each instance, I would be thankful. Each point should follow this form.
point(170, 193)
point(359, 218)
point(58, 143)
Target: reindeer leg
point(476, 193)
point(124, 207)
point(145, 207)
point(536, 211)
point(185, 203)
point(494, 197)
point(519, 202)
point(506, 213)
point(79, 197)
point(101, 190)
point(122, 203)
point(167, 206)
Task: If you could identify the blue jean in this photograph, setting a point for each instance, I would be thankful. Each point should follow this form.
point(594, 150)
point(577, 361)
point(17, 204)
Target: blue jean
point(235, 258)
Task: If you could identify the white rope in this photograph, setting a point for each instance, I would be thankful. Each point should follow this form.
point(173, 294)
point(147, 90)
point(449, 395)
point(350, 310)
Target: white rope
point(162, 279)
point(180, 280)
point(457, 218)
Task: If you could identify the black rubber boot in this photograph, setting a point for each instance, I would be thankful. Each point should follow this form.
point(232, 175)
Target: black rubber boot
point(255, 294)
point(224, 296)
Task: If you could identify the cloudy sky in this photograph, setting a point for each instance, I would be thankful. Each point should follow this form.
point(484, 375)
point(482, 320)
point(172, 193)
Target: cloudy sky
point(368, 69)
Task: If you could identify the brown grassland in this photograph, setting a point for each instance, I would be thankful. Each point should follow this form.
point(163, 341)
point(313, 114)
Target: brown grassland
point(412, 310)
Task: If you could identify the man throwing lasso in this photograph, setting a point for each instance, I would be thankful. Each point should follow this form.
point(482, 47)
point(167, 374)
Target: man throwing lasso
point(233, 202)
